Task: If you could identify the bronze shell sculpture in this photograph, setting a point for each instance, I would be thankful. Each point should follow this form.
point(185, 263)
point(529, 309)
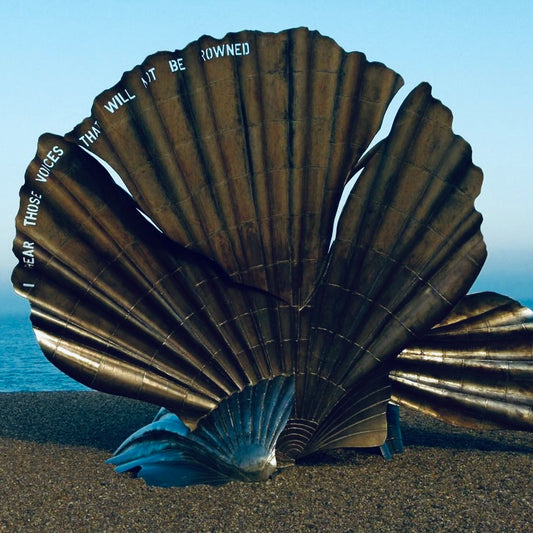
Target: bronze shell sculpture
point(218, 285)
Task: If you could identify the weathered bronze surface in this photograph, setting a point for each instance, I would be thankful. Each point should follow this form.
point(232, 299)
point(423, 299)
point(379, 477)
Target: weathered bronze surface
point(473, 369)
point(214, 271)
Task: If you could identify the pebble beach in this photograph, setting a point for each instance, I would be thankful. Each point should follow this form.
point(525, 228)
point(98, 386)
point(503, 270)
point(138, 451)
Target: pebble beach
point(53, 477)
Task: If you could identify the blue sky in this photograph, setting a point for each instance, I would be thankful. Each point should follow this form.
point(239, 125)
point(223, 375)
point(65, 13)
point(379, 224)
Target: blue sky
point(477, 56)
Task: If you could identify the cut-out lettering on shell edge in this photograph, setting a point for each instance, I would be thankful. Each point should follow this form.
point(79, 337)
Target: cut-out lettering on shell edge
point(213, 284)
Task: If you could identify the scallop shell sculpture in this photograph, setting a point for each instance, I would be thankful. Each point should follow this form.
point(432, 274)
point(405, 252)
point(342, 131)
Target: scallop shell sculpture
point(217, 285)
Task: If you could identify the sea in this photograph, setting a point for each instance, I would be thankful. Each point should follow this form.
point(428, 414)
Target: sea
point(23, 367)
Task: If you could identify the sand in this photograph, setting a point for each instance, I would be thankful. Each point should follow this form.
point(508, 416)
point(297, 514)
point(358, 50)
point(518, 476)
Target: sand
point(53, 478)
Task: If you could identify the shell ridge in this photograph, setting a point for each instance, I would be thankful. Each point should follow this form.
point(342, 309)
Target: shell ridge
point(228, 429)
point(243, 111)
point(354, 248)
point(251, 165)
point(494, 310)
point(196, 137)
point(306, 435)
point(97, 365)
point(129, 313)
point(227, 220)
point(112, 128)
point(298, 36)
point(369, 200)
point(267, 329)
point(235, 339)
point(258, 234)
point(487, 374)
point(389, 316)
point(171, 150)
point(493, 390)
point(58, 258)
point(289, 73)
point(278, 394)
point(99, 341)
point(206, 455)
point(132, 183)
point(177, 460)
point(489, 413)
point(326, 393)
point(360, 77)
point(315, 254)
point(266, 210)
point(347, 423)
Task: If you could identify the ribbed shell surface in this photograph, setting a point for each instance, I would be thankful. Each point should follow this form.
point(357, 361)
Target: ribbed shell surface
point(214, 271)
point(473, 369)
point(243, 157)
point(235, 441)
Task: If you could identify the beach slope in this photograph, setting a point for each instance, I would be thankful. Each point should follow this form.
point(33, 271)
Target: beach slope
point(53, 478)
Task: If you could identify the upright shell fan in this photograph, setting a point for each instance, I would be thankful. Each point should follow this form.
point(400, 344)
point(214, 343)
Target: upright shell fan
point(212, 286)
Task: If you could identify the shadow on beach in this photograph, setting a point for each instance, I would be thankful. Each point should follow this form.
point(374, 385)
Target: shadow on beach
point(103, 421)
point(92, 419)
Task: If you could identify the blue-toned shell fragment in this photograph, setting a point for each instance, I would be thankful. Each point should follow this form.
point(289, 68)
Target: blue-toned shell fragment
point(236, 441)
